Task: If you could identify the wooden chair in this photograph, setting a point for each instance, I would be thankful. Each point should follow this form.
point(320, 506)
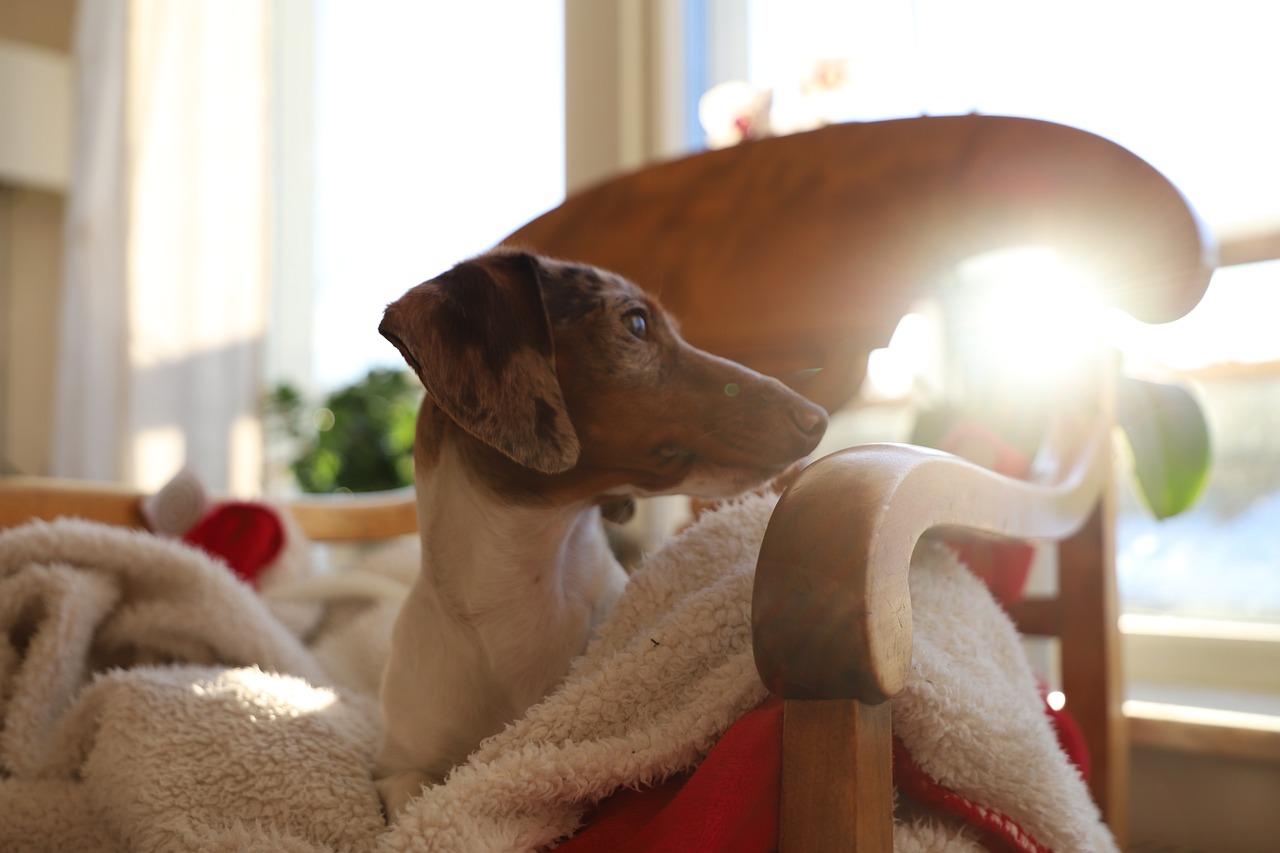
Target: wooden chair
point(803, 252)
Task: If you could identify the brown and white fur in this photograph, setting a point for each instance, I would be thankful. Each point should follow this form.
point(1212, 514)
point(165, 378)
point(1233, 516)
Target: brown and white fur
point(552, 390)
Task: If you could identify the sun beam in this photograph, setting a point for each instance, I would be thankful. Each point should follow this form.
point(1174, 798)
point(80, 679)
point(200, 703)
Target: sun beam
point(1029, 312)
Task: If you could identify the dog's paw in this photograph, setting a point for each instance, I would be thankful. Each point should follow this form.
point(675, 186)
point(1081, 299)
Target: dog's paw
point(398, 790)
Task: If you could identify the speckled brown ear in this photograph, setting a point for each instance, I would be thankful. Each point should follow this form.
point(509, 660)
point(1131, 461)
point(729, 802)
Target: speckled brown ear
point(479, 338)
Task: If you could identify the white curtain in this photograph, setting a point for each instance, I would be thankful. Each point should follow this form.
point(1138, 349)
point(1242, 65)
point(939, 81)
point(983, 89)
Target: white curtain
point(167, 268)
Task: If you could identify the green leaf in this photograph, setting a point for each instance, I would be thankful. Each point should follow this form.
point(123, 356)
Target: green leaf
point(366, 441)
point(1169, 438)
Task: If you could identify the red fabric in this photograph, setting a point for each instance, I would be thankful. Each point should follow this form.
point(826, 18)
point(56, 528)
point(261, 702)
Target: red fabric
point(1071, 739)
point(248, 537)
point(728, 805)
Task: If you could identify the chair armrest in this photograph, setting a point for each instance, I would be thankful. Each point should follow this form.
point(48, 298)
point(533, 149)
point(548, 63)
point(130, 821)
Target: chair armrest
point(831, 608)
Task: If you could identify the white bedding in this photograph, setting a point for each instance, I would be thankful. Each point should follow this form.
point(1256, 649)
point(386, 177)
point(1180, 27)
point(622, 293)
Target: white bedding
point(151, 702)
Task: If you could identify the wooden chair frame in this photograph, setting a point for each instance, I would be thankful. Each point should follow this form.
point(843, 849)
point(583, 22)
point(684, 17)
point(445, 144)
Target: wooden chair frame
point(857, 219)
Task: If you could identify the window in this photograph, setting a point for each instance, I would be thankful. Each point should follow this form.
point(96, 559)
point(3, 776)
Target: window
point(413, 135)
point(408, 136)
point(1221, 559)
point(1187, 89)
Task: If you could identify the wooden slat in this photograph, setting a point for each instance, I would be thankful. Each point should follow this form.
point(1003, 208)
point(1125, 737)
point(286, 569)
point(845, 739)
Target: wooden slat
point(1092, 673)
point(1249, 249)
point(837, 777)
point(1039, 617)
point(1204, 731)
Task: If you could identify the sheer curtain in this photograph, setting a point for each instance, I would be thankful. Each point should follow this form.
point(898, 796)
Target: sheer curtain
point(167, 268)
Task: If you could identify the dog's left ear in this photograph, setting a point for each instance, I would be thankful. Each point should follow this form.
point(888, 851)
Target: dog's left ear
point(480, 340)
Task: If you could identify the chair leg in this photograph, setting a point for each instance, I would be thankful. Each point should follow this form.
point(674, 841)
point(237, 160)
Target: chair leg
point(837, 776)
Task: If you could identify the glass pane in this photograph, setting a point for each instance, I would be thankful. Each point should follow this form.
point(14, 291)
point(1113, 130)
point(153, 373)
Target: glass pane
point(437, 135)
point(1221, 559)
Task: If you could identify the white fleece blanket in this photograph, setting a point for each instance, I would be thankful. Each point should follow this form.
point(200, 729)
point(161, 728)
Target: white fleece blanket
point(148, 701)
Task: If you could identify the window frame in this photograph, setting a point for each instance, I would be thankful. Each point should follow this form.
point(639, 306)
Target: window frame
point(1207, 687)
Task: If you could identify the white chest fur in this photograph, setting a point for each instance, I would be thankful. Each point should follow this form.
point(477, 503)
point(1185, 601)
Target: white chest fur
point(506, 597)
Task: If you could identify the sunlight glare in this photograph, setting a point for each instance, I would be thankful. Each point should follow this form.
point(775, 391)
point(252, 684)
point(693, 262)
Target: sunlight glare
point(1031, 312)
point(892, 371)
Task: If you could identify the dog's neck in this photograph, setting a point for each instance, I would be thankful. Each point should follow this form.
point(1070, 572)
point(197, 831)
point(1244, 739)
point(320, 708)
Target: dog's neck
point(538, 550)
point(526, 580)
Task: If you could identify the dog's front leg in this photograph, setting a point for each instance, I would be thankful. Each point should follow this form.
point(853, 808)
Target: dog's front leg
point(434, 695)
point(398, 789)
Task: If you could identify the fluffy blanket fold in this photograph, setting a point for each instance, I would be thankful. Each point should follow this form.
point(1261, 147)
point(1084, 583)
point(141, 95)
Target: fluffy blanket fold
point(148, 701)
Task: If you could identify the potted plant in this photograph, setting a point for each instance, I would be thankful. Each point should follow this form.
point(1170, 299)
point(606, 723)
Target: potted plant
point(358, 438)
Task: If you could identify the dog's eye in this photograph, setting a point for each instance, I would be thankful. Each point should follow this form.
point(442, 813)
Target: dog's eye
point(637, 322)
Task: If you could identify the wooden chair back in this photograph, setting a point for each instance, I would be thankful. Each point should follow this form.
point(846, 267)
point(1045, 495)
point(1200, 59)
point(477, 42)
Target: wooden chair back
point(797, 256)
point(801, 252)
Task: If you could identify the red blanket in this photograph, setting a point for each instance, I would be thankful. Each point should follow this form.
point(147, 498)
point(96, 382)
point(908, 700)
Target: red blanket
point(730, 803)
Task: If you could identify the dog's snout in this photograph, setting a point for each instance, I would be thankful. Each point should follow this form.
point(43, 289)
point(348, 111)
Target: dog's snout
point(810, 418)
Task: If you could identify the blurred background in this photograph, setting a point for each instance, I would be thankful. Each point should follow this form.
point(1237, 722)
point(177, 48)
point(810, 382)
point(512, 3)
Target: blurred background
point(206, 204)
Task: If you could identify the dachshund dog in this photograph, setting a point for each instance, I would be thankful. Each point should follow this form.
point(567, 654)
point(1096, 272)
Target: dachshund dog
point(552, 390)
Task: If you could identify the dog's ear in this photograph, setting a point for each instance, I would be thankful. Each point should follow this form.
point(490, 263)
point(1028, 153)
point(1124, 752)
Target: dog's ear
point(479, 338)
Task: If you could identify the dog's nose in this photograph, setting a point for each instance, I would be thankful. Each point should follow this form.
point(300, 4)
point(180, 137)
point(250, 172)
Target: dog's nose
point(810, 418)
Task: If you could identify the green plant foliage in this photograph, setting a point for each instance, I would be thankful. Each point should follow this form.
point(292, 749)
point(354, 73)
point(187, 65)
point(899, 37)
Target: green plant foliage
point(360, 439)
point(1168, 437)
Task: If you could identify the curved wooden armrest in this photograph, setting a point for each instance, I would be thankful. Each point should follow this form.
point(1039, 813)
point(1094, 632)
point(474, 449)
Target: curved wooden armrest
point(336, 518)
point(831, 609)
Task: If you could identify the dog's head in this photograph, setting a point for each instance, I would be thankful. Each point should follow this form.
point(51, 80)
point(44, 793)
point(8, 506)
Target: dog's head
point(580, 379)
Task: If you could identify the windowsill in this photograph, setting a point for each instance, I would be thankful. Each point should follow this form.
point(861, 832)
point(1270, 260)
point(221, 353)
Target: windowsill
point(1246, 703)
point(1202, 656)
point(1203, 688)
point(1207, 731)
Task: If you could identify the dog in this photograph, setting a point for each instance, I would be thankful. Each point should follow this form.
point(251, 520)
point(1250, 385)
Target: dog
point(552, 390)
